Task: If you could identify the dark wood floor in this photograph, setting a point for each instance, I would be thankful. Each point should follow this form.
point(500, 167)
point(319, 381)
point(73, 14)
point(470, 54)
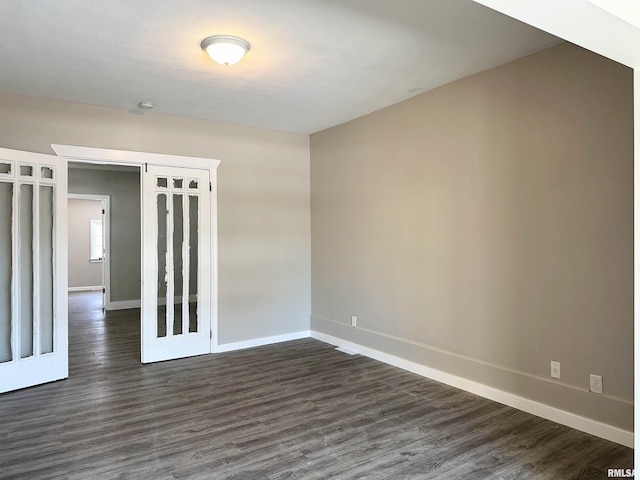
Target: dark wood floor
point(298, 410)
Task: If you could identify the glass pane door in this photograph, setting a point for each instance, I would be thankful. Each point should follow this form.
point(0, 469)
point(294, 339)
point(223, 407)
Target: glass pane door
point(176, 261)
point(33, 288)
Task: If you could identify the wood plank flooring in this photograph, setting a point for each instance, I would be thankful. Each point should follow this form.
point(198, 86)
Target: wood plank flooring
point(297, 410)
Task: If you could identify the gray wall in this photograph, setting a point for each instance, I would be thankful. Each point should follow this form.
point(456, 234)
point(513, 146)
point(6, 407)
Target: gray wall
point(83, 272)
point(263, 199)
point(486, 227)
point(123, 189)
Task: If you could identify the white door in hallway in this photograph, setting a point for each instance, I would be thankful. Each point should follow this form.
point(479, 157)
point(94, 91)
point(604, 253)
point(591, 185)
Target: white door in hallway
point(33, 269)
point(176, 263)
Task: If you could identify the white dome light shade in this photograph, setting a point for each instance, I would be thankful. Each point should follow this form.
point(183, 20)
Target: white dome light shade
point(225, 49)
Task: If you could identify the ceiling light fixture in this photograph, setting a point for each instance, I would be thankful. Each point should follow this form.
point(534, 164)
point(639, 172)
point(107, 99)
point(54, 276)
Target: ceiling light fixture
point(225, 49)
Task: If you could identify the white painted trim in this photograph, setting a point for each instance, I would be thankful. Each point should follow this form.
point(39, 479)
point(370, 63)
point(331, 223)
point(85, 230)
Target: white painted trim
point(123, 305)
point(259, 342)
point(87, 196)
point(92, 288)
point(213, 207)
point(346, 350)
point(466, 358)
point(569, 419)
point(130, 157)
point(627, 10)
point(580, 22)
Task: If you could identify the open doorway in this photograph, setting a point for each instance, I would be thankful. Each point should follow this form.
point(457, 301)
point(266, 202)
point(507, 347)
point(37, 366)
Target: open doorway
point(118, 187)
point(88, 223)
point(109, 245)
point(177, 265)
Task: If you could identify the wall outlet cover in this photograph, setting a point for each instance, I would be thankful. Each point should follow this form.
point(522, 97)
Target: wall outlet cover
point(354, 321)
point(595, 384)
point(555, 369)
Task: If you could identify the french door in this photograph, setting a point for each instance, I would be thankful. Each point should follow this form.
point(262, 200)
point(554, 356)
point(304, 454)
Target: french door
point(176, 263)
point(33, 287)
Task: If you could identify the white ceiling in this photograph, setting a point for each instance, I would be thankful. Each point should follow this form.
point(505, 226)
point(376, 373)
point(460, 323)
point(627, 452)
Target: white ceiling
point(312, 64)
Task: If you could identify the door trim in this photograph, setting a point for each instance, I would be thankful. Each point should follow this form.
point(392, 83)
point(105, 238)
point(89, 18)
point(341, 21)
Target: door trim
point(132, 158)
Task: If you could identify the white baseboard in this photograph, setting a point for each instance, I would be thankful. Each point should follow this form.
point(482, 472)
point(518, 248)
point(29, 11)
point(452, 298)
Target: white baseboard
point(123, 305)
point(259, 342)
point(563, 417)
point(86, 289)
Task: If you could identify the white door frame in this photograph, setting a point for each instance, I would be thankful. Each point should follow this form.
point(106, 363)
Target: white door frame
point(124, 157)
point(106, 260)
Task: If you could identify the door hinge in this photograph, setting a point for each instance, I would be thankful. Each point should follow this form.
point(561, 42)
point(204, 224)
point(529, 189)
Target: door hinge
point(103, 211)
point(145, 167)
point(104, 290)
point(210, 334)
point(210, 187)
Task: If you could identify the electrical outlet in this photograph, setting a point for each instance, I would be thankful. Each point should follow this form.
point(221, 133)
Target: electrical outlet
point(354, 321)
point(555, 369)
point(595, 383)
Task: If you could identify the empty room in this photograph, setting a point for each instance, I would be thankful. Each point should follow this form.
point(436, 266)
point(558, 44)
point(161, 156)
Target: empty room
point(306, 239)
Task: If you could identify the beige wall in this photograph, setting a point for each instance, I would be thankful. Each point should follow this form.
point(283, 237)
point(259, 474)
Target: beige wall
point(83, 272)
point(263, 199)
point(486, 228)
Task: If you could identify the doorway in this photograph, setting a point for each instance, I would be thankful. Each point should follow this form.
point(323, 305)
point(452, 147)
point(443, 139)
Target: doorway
point(33, 276)
point(88, 224)
point(176, 251)
point(118, 188)
point(95, 312)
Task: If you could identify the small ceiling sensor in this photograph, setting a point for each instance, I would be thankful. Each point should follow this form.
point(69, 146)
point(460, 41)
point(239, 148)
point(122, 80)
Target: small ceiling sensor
point(146, 105)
